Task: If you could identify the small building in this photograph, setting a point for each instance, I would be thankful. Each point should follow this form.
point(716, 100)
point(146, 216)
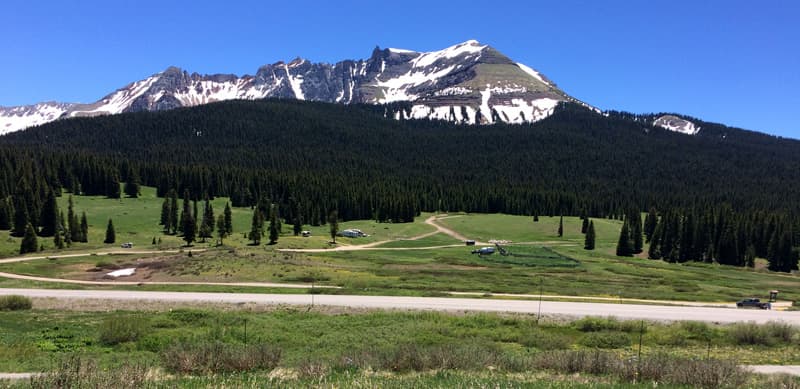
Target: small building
point(352, 233)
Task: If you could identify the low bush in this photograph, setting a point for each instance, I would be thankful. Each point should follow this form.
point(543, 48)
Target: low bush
point(606, 340)
point(120, 329)
point(661, 368)
point(545, 341)
point(750, 334)
point(74, 372)
point(416, 357)
point(217, 357)
point(15, 303)
point(594, 324)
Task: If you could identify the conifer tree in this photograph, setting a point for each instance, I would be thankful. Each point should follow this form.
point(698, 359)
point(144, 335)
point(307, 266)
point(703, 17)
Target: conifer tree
point(188, 223)
point(29, 242)
point(222, 232)
point(590, 236)
point(84, 228)
point(584, 225)
point(21, 219)
point(535, 217)
point(650, 224)
point(65, 229)
point(256, 227)
point(113, 186)
point(49, 216)
point(72, 221)
point(654, 251)
point(58, 237)
point(207, 226)
point(297, 220)
point(750, 257)
point(111, 235)
point(624, 248)
point(274, 231)
point(165, 215)
point(228, 219)
point(5, 214)
point(333, 223)
point(133, 184)
point(173, 212)
point(561, 226)
point(635, 222)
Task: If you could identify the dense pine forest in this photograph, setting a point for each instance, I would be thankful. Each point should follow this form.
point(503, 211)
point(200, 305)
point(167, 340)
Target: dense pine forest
point(736, 187)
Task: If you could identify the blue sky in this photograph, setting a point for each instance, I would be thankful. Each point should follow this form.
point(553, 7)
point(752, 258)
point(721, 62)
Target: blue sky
point(734, 62)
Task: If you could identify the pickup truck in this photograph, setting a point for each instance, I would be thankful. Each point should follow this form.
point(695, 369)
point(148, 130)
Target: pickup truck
point(753, 303)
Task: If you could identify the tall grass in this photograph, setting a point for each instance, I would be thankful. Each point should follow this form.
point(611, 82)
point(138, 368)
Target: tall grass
point(77, 372)
point(15, 303)
point(217, 357)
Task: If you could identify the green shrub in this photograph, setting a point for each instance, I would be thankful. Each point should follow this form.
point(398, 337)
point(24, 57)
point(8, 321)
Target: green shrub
point(74, 372)
point(545, 341)
point(15, 303)
point(606, 339)
point(749, 334)
point(594, 324)
point(217, 357)
point(189, 315)
point(780, 332)
point(119, 329)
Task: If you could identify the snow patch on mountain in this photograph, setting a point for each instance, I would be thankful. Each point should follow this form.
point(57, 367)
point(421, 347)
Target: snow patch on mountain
point(18, 118)
point(674, 123)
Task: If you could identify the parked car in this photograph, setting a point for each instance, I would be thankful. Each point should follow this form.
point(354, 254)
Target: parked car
point(484, 251)
point(127, 245)
point(753, 303)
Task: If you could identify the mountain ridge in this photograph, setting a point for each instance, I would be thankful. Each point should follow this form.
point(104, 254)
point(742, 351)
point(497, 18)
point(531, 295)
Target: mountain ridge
point(469, 83)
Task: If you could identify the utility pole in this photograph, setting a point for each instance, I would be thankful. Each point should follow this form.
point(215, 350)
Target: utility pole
point(539, 315)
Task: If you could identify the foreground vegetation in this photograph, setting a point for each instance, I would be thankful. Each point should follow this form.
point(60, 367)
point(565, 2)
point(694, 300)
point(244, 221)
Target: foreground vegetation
point(297, 347)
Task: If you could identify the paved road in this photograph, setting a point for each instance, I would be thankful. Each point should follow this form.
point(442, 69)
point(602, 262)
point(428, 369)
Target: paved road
point(622, 311)
point(775, 369)
point(129, 283)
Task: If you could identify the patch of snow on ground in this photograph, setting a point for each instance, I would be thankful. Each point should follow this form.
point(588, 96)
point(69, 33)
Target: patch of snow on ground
point(122, 272)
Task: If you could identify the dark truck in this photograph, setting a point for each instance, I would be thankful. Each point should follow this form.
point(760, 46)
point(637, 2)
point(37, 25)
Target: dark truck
point(753, 303)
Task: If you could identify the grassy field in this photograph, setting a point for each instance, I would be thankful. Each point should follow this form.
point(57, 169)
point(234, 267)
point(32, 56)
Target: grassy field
point(559, 264)
point(394, 342)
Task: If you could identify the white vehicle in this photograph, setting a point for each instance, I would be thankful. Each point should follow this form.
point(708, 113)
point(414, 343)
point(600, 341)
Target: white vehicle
point(127, 245)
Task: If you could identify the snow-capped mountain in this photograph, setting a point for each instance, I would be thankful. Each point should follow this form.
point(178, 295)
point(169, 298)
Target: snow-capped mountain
point(466, 83)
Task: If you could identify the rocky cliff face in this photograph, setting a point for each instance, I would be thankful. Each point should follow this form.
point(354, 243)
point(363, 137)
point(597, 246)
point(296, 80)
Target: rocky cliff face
point(466, 83)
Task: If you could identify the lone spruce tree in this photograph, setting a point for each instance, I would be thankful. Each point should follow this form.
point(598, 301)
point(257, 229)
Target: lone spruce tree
point(228, 219)
point(111, 235)
point(256, 227)
point(84, 228)
point(274, 227)
point(29, 241)
point(222, 233)
point(333, 222)
point(624, 248)
point(590, 237)
point(561, 226)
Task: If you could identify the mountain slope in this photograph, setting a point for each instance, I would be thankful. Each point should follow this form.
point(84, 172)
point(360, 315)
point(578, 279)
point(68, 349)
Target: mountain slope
point(466, 83)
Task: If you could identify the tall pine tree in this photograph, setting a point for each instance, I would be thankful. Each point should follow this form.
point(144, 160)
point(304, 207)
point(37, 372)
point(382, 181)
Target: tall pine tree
point(588, 243)
point(624, 248)
point(111, 234)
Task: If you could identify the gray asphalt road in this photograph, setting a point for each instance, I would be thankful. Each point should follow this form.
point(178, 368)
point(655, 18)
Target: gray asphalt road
point(622, 311)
